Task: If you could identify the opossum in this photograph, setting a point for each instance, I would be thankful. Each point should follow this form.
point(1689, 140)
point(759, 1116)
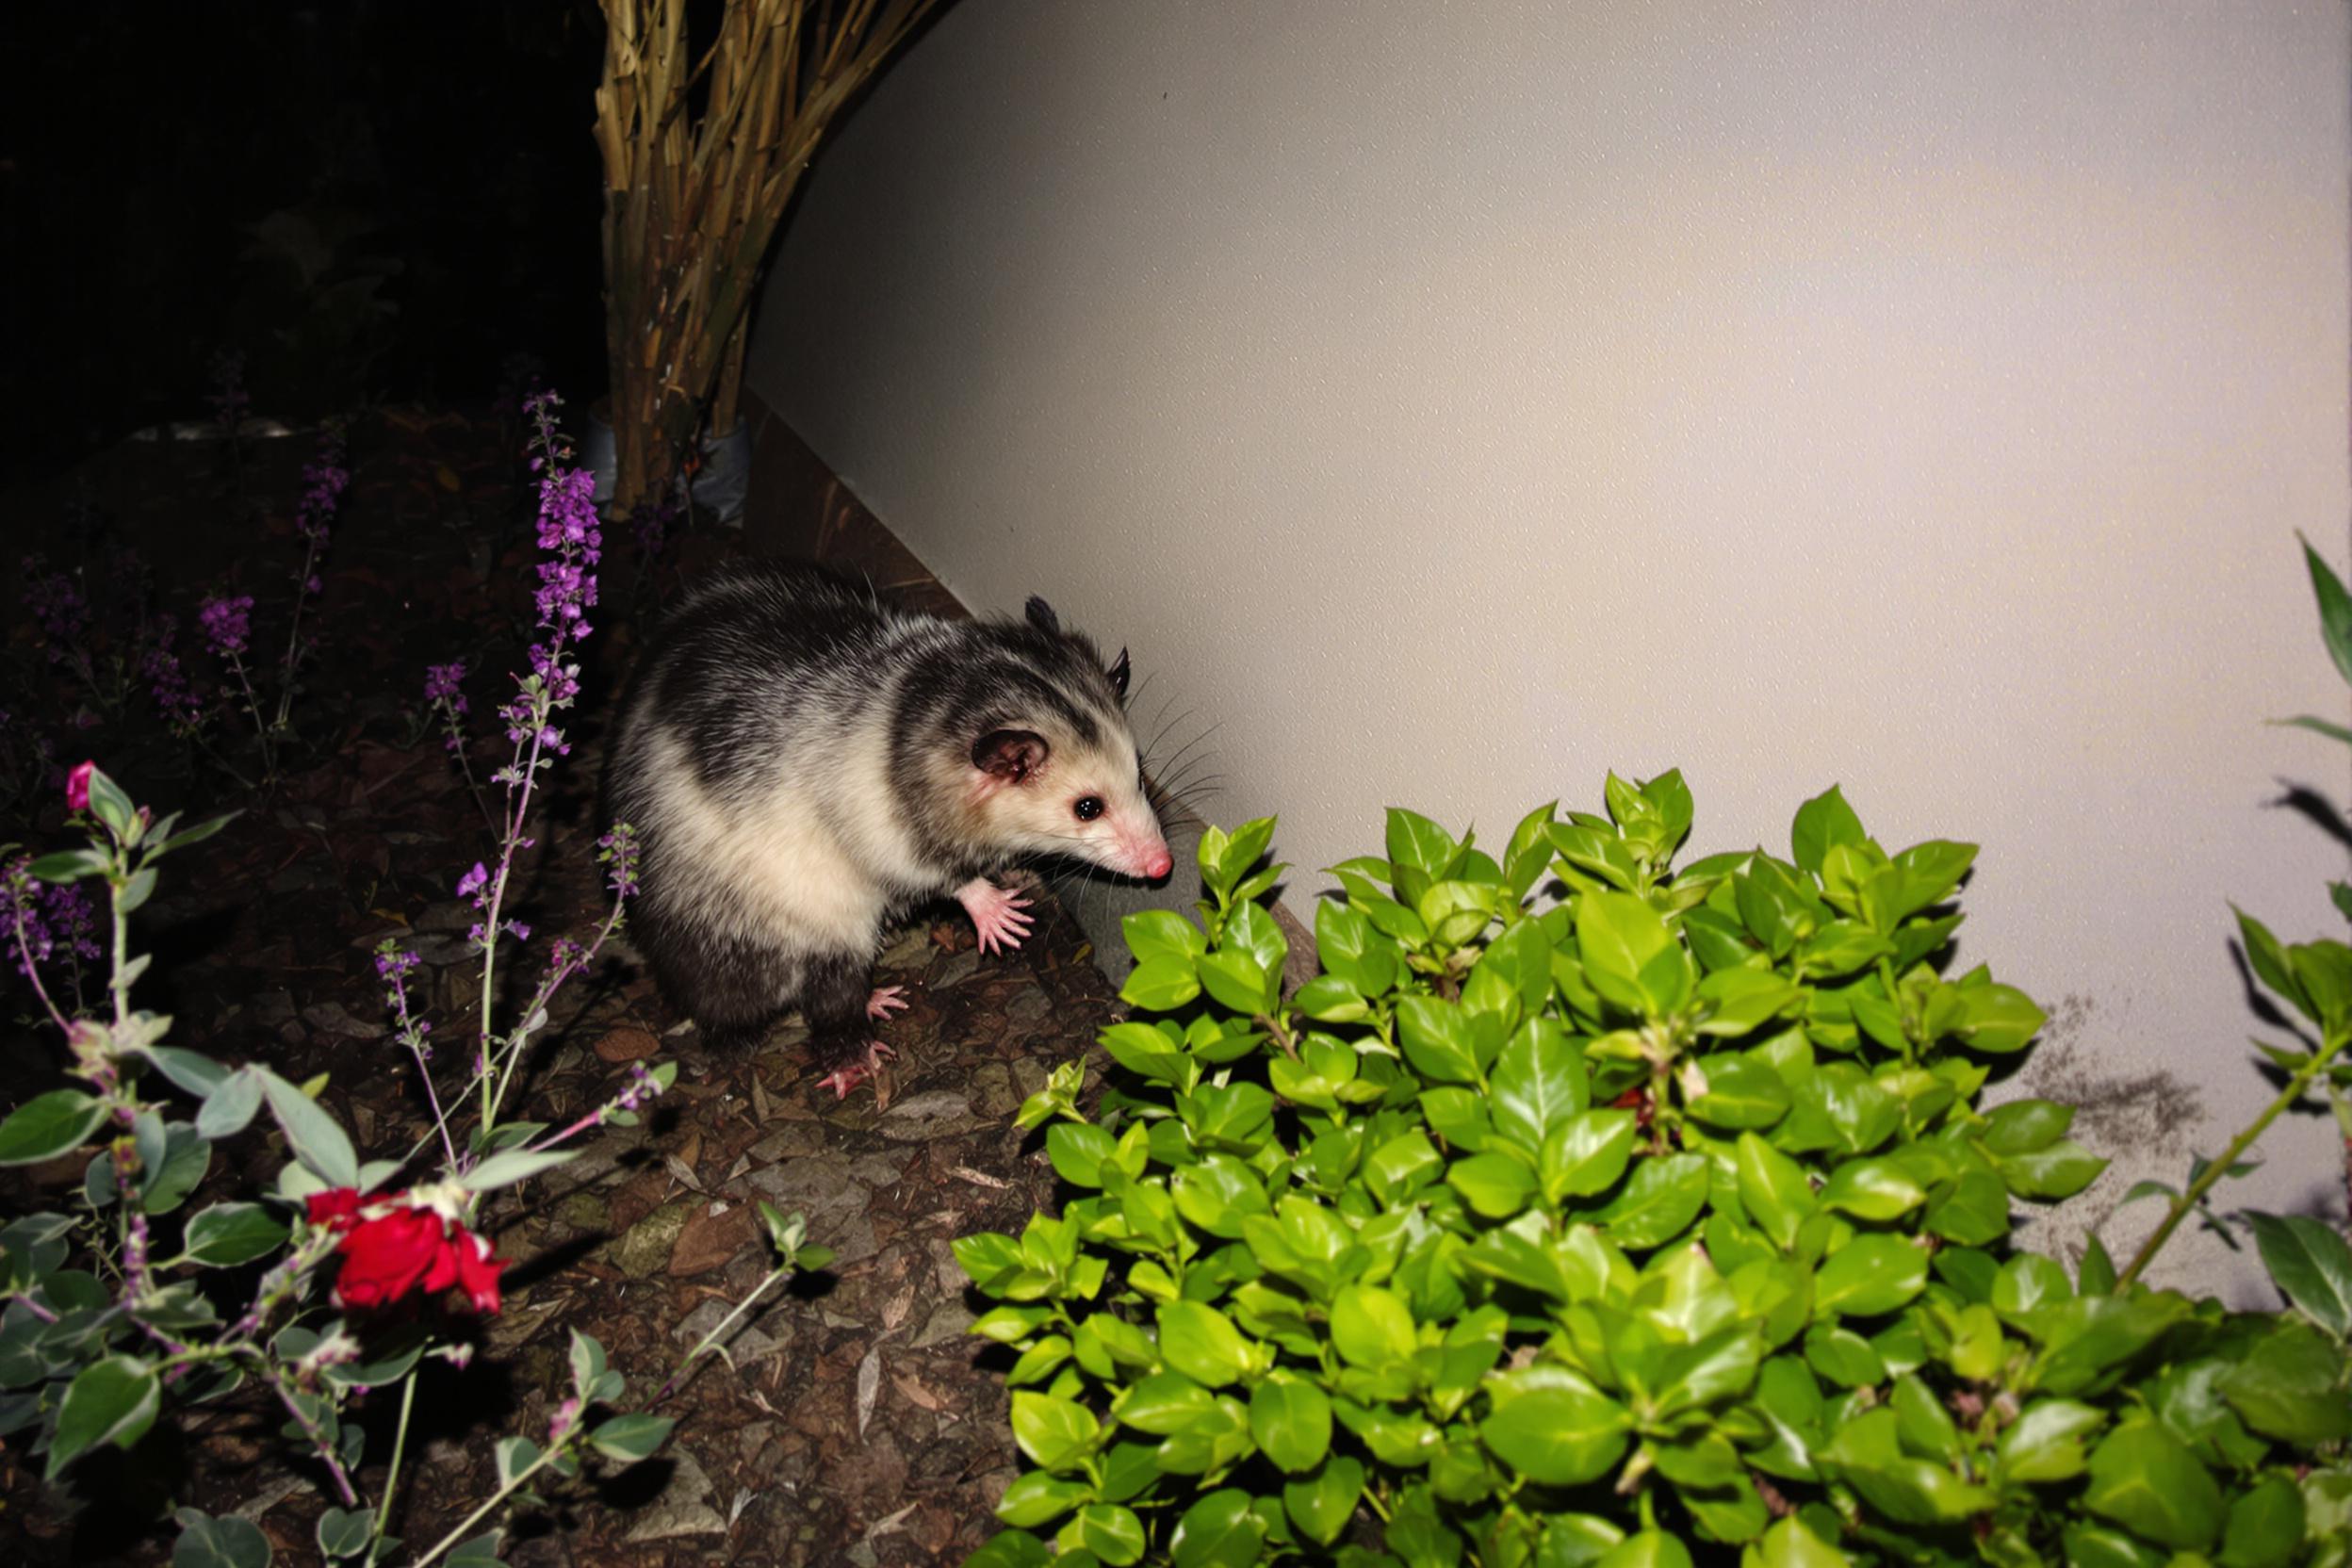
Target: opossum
point(802, 763)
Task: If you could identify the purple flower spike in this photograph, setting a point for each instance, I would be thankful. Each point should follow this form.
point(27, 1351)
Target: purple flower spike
point(228, 623)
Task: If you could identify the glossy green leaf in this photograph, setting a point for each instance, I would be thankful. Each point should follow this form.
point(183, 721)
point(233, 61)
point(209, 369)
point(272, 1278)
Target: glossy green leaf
point(1740, 1093)
point(1649, 1549)
point(2266, 1527)
point(2144, 1480)
point(1872, 1189)
point(321, 1146)
point(1821, 823)
point(1774, 1190)
point(1371, 1326)
point(1495, 1185)
point(1218, 1531)
point(229, 1234)
point(626, 1439)
point(227, 1542)
point(1790, 1544)
point(112, 1402)
point(343, 1532)
point(1587, 1153)
point(1870, 1275)
point(1437, 1040)
point(1320, 1505)
point(1161, 984)
point(1539, 1082)
point(1630, 956)
point(1660, 1199)
point(1291, 1419)
point(1037, 1497)
point(2311, 1265)
point(1056, 1434)
point(49, 1125)
point(2291, 1385)
point(1554, 1427)
point(1201, 1342)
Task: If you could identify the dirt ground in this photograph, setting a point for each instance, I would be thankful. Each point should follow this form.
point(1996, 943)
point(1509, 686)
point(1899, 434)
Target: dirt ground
point(858, 1424)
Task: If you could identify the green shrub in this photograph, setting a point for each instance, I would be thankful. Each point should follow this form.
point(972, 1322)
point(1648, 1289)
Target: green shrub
point(1654, 1222)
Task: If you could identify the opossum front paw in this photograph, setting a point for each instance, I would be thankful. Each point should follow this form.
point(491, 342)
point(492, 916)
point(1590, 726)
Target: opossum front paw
point(1001, 916)
point(843, 1079)
point(887, 1000)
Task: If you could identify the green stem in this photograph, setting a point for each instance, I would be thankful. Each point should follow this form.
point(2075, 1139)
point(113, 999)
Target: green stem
point(118, 983)
point(497, 1497)
point(294, 639)
point(2298, 1084)
point(392, 1477)
point(677, 1379)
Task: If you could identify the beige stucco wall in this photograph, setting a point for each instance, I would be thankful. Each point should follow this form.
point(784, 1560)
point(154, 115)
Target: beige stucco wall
point(1450, 402)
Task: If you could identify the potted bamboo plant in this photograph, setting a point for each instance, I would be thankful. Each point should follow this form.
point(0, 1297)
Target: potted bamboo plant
point(702, 154)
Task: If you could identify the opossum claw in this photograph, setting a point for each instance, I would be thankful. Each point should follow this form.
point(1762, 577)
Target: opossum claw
point(1001, 917)
point(843, 1079)
point(887, 1000)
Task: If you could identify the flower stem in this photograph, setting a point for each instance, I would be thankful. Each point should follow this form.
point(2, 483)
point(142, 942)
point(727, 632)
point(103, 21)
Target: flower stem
point(25, 952)
point(392, 1476)
point(2298, 1084)
point(294, 639)
point(497, 1497)
point(678, 1377)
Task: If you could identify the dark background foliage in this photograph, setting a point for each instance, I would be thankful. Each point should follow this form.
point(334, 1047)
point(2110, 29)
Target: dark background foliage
point(369, 198)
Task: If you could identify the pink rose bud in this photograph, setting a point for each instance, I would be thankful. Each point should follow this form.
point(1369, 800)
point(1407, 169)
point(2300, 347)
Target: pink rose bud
point(77, 787)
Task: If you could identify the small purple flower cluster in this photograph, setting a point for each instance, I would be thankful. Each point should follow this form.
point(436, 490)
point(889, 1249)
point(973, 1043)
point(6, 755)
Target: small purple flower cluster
point(475, 886)
point(569, 531)
point(642, 1086)
point(228, 623)
point(619, 851)
point(444, 695)
point(393, 966)
point(49, 922)
point(58, 606)
point(167, 681)
point(325, 479)
point(442, 683)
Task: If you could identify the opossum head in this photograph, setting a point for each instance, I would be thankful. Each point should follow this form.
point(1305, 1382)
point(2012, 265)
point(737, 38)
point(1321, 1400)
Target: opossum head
point(1053, 763)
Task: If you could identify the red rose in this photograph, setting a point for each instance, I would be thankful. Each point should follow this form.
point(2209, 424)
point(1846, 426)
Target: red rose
point(477, 1270)
point(393, 1246)
point(335, 1208)
point(77, 787)
point(387, 1256)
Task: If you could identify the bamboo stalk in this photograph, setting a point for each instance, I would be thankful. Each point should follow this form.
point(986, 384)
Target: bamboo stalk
point(693, 201)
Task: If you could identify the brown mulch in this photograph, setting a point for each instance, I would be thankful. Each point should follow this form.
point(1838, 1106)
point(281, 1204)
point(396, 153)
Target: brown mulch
point(858, 1423)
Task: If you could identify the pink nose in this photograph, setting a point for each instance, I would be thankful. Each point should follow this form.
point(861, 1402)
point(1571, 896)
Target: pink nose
point(1158, 863)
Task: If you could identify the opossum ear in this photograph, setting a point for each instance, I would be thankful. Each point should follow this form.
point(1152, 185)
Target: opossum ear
point(1009, 755)
point(1041, 616)
point(1118, 674)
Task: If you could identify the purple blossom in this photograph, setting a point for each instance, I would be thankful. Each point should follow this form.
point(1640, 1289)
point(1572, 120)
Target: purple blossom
point(167, 681)
point(619, 854)
point(228, 623)
point(58, 606)
point(471, 884)
point(325, 479)
point(60, 925)
point(442, 682)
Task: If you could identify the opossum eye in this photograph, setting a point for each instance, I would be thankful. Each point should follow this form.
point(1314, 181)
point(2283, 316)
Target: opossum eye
point(1118, 674)
point(1087, 808)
